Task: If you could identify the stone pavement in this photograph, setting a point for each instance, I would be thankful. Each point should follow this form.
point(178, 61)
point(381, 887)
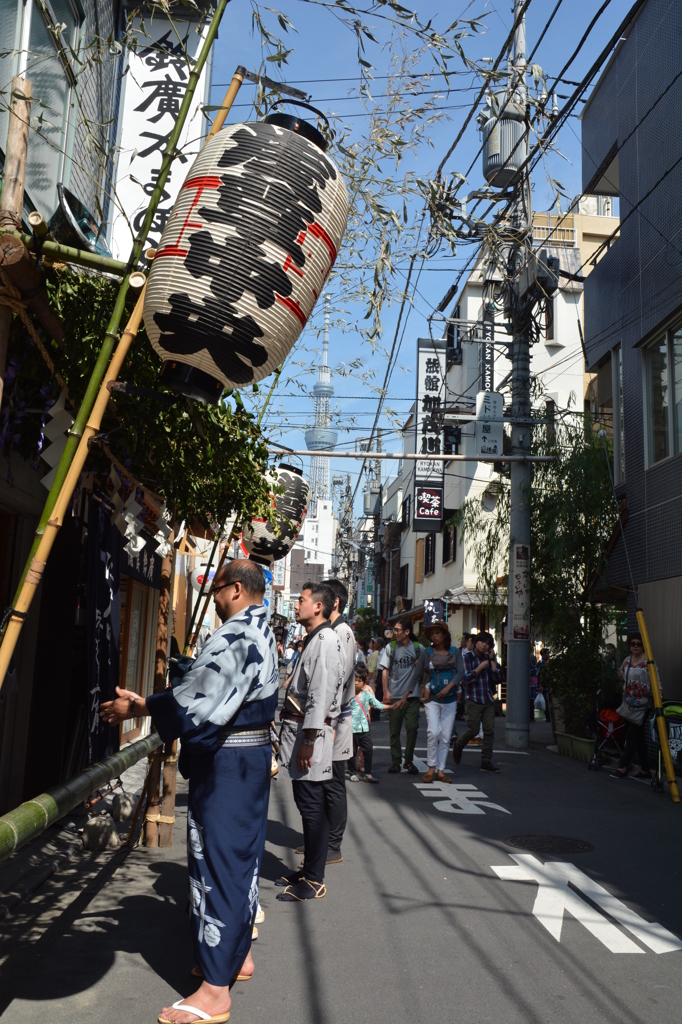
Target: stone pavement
point(433, 916)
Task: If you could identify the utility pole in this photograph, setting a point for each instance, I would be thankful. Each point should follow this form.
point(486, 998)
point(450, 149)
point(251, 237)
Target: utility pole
point(518, 615)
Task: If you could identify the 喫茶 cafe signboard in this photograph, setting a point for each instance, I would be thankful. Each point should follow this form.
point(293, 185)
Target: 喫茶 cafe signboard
point(429, 475)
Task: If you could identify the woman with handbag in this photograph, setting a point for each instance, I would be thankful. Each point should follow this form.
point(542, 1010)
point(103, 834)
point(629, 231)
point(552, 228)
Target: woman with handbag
point(447, 672)
point(637, 700)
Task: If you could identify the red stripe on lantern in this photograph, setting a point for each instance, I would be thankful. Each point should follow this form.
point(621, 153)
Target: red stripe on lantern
point(294, 308)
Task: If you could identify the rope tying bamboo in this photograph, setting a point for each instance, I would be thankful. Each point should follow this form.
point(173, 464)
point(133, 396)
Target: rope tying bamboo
point(11, 296)
point(35, 572)
point(164, 819)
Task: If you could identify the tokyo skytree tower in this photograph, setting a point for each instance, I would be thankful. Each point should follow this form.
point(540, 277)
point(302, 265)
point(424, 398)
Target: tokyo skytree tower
point(321, 437)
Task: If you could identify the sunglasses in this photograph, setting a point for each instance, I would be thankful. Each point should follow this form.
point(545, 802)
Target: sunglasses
point(636, 643)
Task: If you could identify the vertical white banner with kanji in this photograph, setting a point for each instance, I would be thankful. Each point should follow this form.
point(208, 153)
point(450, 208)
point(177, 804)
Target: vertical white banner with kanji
point(429, 475)
point(153, 86)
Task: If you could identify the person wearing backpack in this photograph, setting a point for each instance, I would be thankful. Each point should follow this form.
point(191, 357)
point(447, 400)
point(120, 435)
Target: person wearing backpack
point(447, 672)
point(403, 662)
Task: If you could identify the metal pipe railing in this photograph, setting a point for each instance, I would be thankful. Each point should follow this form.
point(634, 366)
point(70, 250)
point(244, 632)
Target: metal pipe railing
point(29, 819)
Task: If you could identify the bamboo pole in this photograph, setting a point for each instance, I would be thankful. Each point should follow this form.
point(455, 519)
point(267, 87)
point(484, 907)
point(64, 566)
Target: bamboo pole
point(151, 834)
point(12, 199)
point(658, 708)
point(55, 252)
point(202, 588)
point(230, 95)
point(58, 492)
point(28, 820)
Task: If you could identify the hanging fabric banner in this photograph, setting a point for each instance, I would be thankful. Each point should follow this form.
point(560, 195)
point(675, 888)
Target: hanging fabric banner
point(104, 626)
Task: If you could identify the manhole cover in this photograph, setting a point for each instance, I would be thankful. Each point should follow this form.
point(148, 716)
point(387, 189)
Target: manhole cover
point(549, 844)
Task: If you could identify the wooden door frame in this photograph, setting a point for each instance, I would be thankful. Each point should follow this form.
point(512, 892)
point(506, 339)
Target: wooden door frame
point(130, 583)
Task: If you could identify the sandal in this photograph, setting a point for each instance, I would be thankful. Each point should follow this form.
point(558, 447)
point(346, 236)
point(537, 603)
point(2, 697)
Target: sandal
point(411, 769)
point(353, 778)
point(369, 778)
point(303, 890)
point(285, 880)
point(180, 1005)
point(394, 769)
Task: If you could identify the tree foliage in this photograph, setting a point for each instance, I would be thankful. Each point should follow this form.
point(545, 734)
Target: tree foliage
point(368, 624)
point(206, 461)
point(573, 515)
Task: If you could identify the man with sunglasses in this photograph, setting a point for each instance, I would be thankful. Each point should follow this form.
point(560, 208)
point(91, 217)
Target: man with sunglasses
point(221, 710)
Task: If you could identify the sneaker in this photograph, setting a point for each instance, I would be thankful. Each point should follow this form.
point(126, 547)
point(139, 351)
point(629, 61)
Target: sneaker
point(303, 890)
point(456, 753)
point(488, 766)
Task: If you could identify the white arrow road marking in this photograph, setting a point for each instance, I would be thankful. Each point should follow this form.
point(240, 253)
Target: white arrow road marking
point(554, 897)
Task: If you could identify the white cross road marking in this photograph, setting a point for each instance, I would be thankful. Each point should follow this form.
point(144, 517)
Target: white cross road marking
point(554, 897)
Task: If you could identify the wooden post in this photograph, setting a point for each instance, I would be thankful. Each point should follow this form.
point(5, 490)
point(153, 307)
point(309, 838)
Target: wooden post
point(151, 835)
point(12, 199)
point(168, 802)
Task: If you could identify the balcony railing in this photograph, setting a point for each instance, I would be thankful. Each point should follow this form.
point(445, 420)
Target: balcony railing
point(553, 235)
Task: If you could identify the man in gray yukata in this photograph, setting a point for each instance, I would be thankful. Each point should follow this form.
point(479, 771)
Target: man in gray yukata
point(343, 726)
point(311, 706)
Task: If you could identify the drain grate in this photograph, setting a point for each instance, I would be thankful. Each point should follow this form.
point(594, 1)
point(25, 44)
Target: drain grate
point(549, 844)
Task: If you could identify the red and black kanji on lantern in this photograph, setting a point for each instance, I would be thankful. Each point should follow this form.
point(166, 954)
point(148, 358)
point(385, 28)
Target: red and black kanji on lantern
point(244, 255)
point(259, 538)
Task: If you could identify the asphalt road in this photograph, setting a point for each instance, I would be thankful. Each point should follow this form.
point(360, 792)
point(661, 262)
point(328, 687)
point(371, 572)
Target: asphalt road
point(429, 918)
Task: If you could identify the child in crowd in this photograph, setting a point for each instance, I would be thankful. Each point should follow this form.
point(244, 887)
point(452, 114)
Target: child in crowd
point(360, 704)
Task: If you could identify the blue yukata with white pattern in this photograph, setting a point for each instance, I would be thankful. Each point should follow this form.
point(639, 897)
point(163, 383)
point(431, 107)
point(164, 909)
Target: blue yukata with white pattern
point(232, 684)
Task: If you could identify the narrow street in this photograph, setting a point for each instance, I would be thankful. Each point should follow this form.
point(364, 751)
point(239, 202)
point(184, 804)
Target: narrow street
point(432, 916)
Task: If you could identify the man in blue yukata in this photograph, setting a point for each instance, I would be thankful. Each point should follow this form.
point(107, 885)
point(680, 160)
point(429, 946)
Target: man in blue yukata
point(221, 711)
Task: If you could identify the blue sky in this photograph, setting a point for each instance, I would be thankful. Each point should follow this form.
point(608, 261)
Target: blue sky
point(324, 64)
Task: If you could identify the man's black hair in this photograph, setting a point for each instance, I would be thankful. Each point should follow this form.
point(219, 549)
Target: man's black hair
point(407, 626)
point(340, 591)
point(484, 637)
point(248, 573)
point(321, 592)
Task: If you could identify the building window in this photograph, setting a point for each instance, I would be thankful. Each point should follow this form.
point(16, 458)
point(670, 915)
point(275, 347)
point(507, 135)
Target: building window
point(405, 517)
point(449, 544)
point(429, 554)
point(404, 580)
point(664, 396)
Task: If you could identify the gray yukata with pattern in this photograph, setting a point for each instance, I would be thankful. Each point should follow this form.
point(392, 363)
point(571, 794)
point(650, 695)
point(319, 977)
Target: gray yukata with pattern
point(316, 685)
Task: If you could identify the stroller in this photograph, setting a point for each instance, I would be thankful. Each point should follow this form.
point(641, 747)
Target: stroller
point(611, 728)
point(672, 714)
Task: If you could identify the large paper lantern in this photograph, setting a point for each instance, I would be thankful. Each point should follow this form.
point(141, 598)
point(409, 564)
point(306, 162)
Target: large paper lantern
point(259, 537)
point(244, 255)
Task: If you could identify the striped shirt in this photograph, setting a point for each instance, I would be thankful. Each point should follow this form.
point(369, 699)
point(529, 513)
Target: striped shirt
point(478, 688)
